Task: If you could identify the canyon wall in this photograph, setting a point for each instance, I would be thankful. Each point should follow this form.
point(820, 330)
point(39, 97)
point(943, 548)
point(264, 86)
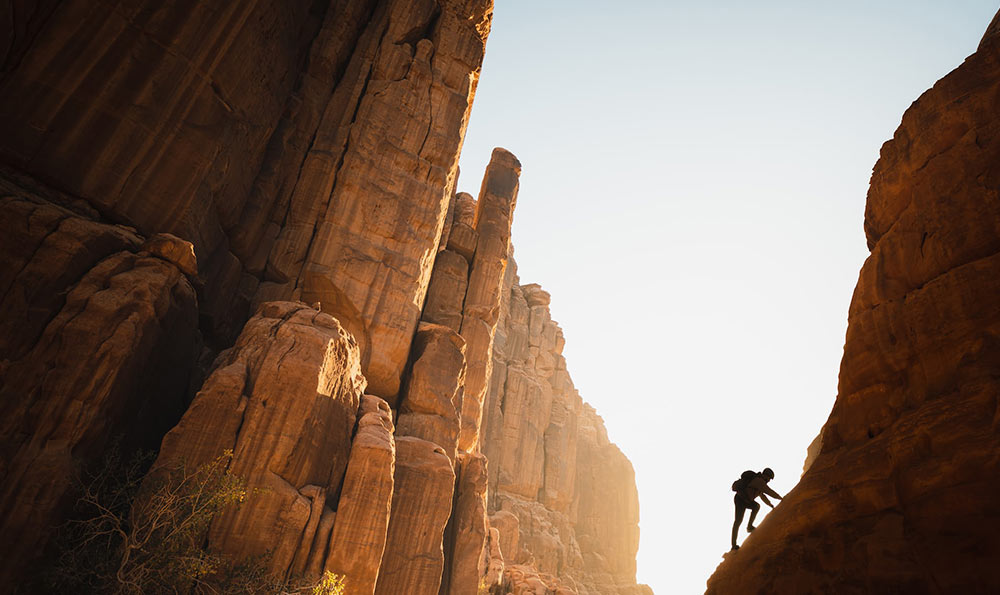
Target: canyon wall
point(555, 479)
point(900, 492)
point(235, 229)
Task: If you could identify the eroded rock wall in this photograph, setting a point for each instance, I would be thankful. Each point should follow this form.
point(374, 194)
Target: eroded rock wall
point(561, 495)
point(304, 156)
point(900, 493)
point(99, 340)
point(278, 137)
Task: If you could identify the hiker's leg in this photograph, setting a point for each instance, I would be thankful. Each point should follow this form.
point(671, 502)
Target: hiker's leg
point(740, 509)
point(754, 509)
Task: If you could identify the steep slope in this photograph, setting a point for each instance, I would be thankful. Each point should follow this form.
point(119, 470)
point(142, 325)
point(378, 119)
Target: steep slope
point(901, 495)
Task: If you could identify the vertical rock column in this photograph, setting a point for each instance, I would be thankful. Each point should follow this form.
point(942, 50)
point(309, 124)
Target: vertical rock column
point(370, 212)
point(432, 401)
point(494, 214)
point(413, 561)
point(468, 528)
point(357, 541)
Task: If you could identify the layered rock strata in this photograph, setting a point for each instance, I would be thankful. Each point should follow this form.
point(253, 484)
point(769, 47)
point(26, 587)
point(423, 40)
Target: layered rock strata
point(900, 495)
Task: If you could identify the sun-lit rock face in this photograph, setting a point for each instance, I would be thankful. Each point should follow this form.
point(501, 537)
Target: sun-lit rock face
point(279, 137)
point(901, 497)
point(562, 496)
point(244, 213)
point(284, 400)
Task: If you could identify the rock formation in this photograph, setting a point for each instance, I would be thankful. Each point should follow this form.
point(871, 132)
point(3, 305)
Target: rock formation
point(555, 480)
point(276, 136)
point(284, 400)
point(100, 336)
point(177, 182)
point(900, 495)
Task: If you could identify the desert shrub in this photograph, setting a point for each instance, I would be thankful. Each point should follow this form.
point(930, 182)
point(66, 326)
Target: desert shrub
point(131, 537)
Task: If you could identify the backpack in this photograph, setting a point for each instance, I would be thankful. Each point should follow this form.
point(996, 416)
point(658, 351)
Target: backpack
point(745, 478)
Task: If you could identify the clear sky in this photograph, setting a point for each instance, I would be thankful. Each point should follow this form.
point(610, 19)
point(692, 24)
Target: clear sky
point(692, 195)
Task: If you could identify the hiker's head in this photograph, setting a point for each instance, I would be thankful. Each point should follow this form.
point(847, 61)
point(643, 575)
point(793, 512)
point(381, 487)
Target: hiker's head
point(767, 473)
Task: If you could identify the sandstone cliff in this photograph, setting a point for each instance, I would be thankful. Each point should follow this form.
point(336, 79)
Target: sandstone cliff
point(555, 480)
point(900, 492)
point(235, 229)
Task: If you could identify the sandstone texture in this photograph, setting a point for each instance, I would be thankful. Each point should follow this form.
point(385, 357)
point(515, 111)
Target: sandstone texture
point(432, 406)
point(284, 400)
point(561, 495)
point(306, 149)
point(413, 561)
point(234, 227)
point(357, 540)
point(99, 339)
point(900, 495)
point(494, 214)
point(468, 529)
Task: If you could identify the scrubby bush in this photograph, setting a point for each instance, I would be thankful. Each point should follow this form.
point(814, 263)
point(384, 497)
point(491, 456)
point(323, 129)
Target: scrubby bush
point(131, 538)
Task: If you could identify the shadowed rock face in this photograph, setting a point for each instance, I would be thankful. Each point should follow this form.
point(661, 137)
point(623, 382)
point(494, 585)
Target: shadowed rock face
point(413, 561)
point(901, 497)
point(99, 340)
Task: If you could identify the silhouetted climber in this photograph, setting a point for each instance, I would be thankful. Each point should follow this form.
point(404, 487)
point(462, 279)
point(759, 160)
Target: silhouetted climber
point(747, 488)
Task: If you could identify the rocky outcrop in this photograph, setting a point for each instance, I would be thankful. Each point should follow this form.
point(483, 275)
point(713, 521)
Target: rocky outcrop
point(284, 400)
point(99, 339)
point(432, 406)
point(562, 497)
point(465, 538)
point(899, 497)
point(494, 215)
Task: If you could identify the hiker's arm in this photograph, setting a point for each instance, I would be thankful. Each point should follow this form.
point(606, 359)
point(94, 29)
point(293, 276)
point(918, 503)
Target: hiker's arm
point(766, 501)
point(770, 492)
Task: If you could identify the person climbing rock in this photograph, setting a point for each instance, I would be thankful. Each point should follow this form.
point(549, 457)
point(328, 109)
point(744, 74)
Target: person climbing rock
point(747, 488)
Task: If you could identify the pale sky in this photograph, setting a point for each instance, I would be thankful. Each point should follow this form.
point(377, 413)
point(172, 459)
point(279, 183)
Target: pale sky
point(692, 195)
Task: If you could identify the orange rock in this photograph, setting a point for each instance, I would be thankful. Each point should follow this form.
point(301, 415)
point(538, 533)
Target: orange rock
point(100, 346)
point(896, 500)
point(463, 237)
point(358, 538)
point(370, 259)
point(413, 561)
point(492, 561)
point(563, 497)
point(284, 400)
point(270, 134)
point(467, 529)
point(446, 293)
point(494, 215)
point(432, 402)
